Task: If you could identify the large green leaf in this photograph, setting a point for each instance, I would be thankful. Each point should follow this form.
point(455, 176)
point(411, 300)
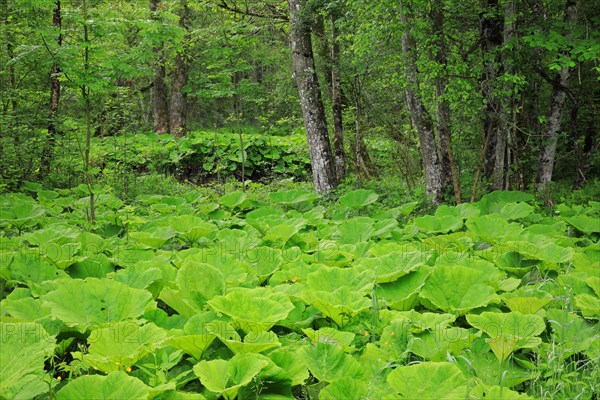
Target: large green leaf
point(345, 388)
point(429, 380)
point(298, 199)
point(289, 360)
point(253, 342)
point(253, 309)
point(515, 210)
point(116, 385)
point(120, 345)
point(402, 293)
point(340, 305)
point(457, 289)
point(24, 347)
point(334, 337)
point(331, 279)
point(355, 231)
point(438, 343)
point(359, 198)
point(585, 223)
point(509, 331)
point(199, 282)
point(392, 266)
point(96, 301)
point(493, 202)
point(438, 224)
point(191, 227)
point(493, 228)
point(329, 363)
point(227, 377)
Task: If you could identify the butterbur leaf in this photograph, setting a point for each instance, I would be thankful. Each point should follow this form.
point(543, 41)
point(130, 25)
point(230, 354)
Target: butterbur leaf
point(253, 342)
point(353, 231)
point(509, 331)
point(116, 385)
point(573, 333)
point(359, 198)
point(402, 293)
point(300, 200)
point(330, 279)
point(194, 345)
point(392, 266)
point(339, 305)
point(429, 380)
point(585, 223)
point(345, 388)
point(334, 337)
point(288, 360)
point(227, 377)
point(435, 345)
point(498, 393)
point(589, 305)
point(121, 345)
point(24, 348)
point(96, 301)
point(493, 228)
point(253, 309)
point(438, 224)
point(329, 363)
point(457, 289)
point(512, 211)
point(279, 235)
point(191, 227)
point(199, 282)
point(233, 200)
point(493, 202)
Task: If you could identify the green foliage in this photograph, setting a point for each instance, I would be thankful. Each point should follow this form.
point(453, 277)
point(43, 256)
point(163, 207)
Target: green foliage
point(262, 294)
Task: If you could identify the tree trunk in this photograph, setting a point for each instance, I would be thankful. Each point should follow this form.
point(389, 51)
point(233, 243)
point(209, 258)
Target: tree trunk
point(553, 124)
point(491, 27)
point(160, 106)
point(420, 117)
point(336, 100)
point(178, 107)
point(449, 169)
point(52, 130)
point(10, 53)
point(323, 167)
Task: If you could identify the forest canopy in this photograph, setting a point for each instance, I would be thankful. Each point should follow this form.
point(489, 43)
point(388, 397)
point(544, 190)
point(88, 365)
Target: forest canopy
point(478, 95)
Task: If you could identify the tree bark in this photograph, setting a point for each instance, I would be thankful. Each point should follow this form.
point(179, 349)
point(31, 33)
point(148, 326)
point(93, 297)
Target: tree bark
point(160, 106)
point(178, 106)
point(10, 53)
point(313, 111)
point(419, 115)
point(491, 27)
point(336, 101)
point(449, 169)
point(52, 131)
point(553, 124)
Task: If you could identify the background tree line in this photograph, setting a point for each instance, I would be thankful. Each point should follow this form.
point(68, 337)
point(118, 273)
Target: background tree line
point(480, 95)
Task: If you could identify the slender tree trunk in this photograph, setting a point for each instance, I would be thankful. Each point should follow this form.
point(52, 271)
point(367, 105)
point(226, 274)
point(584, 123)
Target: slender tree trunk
point(336, 100)
point(313, 111)
point(449, 169)
point(420, 117)
point(178, 107)
point(160, 105)
point(52, 131)
point(323, 49)
point(553, 124)
point(10, 53)
point(491, 27)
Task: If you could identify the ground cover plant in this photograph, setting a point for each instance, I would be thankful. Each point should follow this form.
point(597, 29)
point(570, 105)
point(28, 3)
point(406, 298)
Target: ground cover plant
point(192, 297)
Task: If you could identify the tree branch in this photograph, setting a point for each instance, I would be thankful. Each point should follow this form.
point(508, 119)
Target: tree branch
point(275, 13)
